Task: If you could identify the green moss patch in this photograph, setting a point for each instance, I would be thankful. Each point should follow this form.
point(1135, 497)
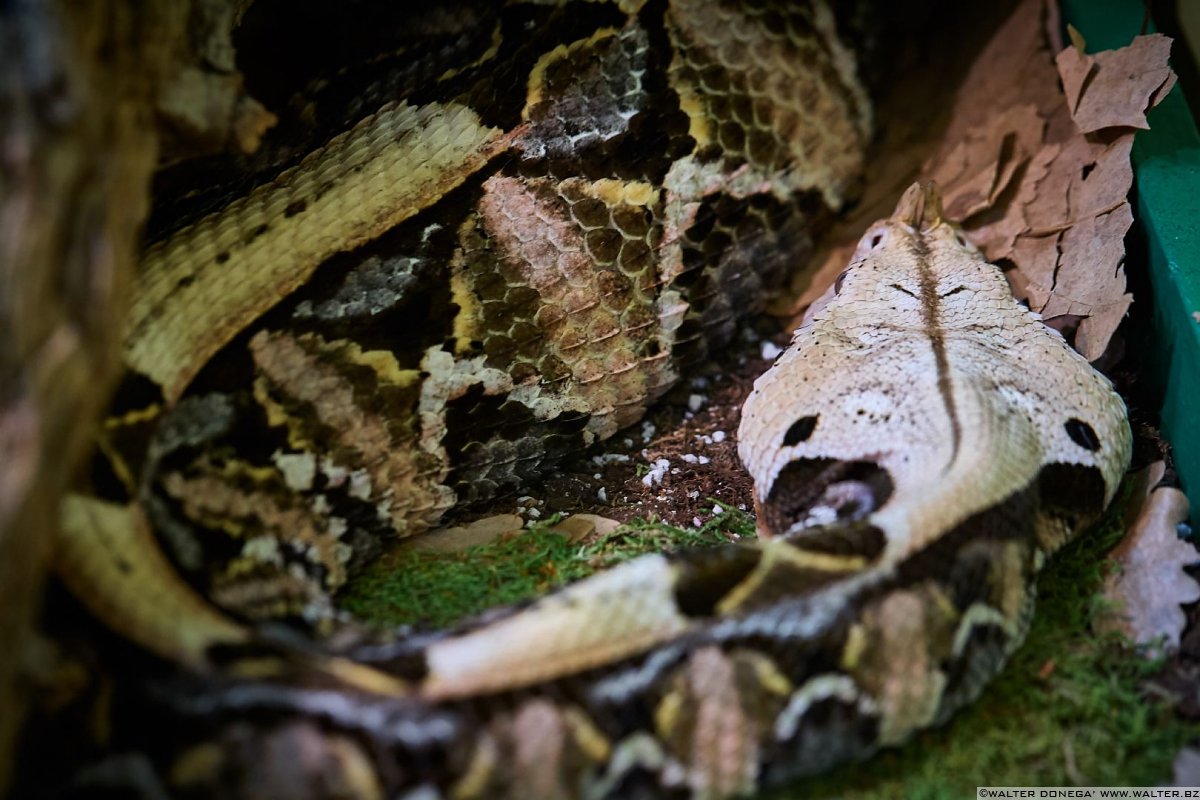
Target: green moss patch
point(438, 589)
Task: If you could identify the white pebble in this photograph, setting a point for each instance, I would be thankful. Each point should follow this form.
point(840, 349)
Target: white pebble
point(704, 459)
point(657, 470)
point(696, 402)
point(690, 458)
point(693, 494)
point(696, 522)
point(602, 494)
point(597, 476)
point(604, 459)
point(534, 513)
point(648, 430)
point(718, 437)
point(718, 510)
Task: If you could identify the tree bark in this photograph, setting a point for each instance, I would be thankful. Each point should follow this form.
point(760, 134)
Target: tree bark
point(78, 144)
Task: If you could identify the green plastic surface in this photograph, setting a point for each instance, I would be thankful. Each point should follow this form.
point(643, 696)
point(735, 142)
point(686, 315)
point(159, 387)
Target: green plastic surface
point(1166, 162)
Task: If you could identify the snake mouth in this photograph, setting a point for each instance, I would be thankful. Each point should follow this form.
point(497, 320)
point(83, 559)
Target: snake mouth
point(812, 492)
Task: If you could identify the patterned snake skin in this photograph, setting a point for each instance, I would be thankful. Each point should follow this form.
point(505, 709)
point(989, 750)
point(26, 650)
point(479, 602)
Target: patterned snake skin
point(441, 302)
point(448, 297)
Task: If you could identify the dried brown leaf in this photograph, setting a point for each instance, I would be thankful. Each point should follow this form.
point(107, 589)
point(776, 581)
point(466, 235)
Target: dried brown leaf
point(602, 525)
point(1078, 271)
point(986, 158)
point(995, 229)
point(1034, 190)
point(1014, 68)
point(1115, 88)
point(1074, 67)
point(1029, 187)
point(460, 537)
point(580, 526)
point(1069, 258)
point(1150, 585)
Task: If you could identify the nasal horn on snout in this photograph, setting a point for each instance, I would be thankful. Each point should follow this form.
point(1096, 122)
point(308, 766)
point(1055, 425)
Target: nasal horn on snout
point(920, 207)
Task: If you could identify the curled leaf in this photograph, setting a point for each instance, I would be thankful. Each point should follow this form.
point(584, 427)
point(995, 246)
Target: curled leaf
point(1116, 88)
point(1149, 585)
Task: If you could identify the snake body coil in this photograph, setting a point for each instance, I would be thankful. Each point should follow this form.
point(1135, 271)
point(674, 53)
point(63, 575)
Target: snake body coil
point(443, 300)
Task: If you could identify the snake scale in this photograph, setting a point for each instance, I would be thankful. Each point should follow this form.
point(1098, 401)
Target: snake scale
point(447, 297)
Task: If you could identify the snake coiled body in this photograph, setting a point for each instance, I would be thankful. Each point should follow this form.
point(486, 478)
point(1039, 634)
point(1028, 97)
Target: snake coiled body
point(440, 302)
point(512, 287)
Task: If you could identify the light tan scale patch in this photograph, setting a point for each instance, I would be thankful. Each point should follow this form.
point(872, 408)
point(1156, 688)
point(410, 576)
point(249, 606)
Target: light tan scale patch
point(613, 615)
point(1011, 577)
point(290, 753)
point(578, 266)
point(258, 519)
point(590, 739)
point(307, 372)
point(259, 592)
point(210, 494)
point(196, 764)
point(713, 717)
point(539, 743)
point(250, 504)
point(1052, 532)
point(541, 750)
point(908, 635)
point(617, 193)
point(198, 289)
point(856, 645)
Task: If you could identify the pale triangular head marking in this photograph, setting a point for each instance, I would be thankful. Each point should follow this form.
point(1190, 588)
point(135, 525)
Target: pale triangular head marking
point(922, 394)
